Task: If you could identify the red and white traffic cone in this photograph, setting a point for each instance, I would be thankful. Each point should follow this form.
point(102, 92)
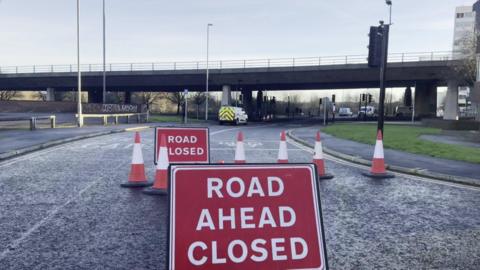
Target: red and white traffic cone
point(282, 150)
point(240, 150)
point(136, 177)
point(378, 162)
point(160, 185)
point(318, 159)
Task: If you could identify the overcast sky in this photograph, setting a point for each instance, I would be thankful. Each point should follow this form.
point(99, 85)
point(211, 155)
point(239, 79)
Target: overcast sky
point(44, 31)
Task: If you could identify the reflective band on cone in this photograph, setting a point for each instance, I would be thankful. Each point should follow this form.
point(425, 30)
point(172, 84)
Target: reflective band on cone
point(240, 150)
point(378, 162)
point(136, 177)
point(161, 173)
point(318, 159)
point(282, 150)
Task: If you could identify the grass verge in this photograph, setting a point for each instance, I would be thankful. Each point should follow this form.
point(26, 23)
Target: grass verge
point(159, 118)
point(405, 138)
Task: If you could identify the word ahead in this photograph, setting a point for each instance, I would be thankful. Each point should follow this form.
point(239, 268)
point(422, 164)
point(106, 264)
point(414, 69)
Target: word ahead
point(245, 217)
point(185, 145)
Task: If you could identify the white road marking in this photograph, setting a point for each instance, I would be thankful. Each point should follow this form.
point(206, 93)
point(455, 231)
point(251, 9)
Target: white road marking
point(253, 149)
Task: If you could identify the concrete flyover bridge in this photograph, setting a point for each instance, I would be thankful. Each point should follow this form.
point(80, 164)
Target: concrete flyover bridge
point(426, 71)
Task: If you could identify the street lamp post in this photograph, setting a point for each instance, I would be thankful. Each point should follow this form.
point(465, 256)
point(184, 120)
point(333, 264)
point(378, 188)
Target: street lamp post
point(104, 96)
point(207, 75)
point(79, 73)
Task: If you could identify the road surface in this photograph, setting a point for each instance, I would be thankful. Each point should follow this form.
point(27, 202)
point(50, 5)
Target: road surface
point(63, 208)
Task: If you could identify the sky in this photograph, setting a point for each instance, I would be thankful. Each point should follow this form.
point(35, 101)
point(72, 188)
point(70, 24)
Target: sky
point(44, 32)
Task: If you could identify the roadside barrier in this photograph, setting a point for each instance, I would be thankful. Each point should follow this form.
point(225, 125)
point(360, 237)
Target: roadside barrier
point(240, 150)
point(282, 150)
point(378, 163)
point(137, 177)
point(160, 184)
point(318, 159)
point(33, 120)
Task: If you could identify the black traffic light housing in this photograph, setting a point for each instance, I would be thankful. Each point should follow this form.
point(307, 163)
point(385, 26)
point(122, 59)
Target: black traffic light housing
point(333, 98)
point(375, 46)
point(363, 97)
point(369, 98)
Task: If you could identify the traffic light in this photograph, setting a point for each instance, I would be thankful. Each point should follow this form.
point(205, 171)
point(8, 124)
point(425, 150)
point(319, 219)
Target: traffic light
point(320, 101)
point(375, 46)
point(333, 98)
point(363, 97)
point(369, 98)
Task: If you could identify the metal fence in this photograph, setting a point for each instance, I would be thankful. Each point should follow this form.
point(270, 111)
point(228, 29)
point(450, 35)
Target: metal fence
point(233, 64)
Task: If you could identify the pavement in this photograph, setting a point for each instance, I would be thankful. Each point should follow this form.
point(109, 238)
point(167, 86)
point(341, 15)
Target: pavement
point(393, 157)
point(63, 208)
point(14, 140)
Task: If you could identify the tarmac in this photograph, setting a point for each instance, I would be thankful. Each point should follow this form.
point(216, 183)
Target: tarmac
point(63, 208)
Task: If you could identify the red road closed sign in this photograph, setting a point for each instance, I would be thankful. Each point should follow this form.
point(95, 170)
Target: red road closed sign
point(245, 217)
point(185, 145)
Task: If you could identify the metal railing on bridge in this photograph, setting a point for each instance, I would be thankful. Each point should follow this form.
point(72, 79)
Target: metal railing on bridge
point(233, 64)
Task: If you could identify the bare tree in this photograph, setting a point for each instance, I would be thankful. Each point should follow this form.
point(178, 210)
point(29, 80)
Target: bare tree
point(465, 66)
point(8, 95)
point(198, 99)
point(149, 98)
point(41, 95)
point(176, 98)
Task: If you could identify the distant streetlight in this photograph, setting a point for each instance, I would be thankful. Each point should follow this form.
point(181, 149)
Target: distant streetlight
point(389, 3)
point(104, 96)
point(79, 73)
point(206, 82)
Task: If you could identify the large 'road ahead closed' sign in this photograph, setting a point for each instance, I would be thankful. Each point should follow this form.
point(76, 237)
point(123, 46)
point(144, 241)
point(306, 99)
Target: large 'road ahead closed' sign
point(245, 217)
point(185, 144)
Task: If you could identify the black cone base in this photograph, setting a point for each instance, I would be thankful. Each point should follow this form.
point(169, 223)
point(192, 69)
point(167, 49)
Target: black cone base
point(378, 175)
point(325, 176)
point(136, 184)
point(155, 191)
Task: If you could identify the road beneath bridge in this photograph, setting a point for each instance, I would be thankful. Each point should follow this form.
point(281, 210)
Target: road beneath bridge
point(63, 208)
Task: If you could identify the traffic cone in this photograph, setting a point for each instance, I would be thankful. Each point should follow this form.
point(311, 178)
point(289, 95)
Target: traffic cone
point(240, 150)
point(161, 173)
point(378, 162)
point(282, 150)
point(318, 159)
point(137, 177)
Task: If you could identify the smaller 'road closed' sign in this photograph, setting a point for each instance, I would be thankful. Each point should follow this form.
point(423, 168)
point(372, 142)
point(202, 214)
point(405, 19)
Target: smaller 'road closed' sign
point(185, 145)
point(245, 217)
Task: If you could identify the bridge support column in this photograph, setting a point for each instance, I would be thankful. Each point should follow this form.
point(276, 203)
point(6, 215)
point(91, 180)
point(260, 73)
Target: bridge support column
point(226, 95)
point(95, 96)
point(50, 94)
point(248, 102)
point(451, 102)
point(425, 99)
point(128, 97)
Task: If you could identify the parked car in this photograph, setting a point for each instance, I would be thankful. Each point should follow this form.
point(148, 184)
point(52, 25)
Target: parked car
point(403, 111)
point(345, 111)
point(368, 110)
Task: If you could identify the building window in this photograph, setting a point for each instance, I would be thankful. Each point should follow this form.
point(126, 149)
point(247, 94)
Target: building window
point(460, 15)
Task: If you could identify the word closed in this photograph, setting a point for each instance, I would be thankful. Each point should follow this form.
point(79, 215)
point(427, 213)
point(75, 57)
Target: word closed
point(185, 145)
point(245, 217)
